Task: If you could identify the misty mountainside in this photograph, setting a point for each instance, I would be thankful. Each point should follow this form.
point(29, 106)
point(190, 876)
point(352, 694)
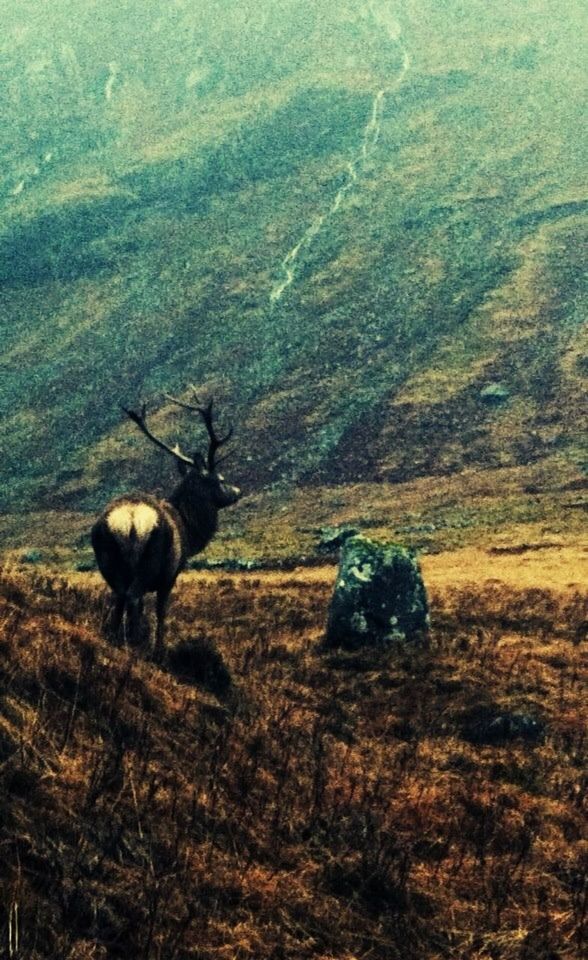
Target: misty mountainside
point(358, 225)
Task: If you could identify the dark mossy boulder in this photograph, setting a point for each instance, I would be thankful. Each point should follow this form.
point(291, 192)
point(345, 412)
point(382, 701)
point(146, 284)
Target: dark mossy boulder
point(487, 724)
point(379, 596)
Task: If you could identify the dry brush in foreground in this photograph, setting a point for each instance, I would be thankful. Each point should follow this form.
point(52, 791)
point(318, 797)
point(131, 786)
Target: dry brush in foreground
point(263, 798)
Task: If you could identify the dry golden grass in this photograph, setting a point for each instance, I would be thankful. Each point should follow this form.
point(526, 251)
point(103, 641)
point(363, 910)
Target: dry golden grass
point(260, 797)
point(521, 566)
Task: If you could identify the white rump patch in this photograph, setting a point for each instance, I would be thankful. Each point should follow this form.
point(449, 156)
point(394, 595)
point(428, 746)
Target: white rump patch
point(140, 517)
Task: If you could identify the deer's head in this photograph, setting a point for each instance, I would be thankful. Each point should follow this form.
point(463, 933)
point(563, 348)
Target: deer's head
point(201, 476)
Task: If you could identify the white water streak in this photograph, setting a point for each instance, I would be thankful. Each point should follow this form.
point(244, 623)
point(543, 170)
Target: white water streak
point(371, 135)
point(112, 77)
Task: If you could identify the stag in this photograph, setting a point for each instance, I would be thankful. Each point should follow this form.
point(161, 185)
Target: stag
point(142, 543)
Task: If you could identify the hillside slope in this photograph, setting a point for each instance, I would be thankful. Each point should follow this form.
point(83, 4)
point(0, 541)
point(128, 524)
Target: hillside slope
point(358, 226)
point(260, 797)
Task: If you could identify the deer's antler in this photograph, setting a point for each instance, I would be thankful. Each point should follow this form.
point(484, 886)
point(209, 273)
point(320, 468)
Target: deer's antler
point(141, 420)
point(215, 442)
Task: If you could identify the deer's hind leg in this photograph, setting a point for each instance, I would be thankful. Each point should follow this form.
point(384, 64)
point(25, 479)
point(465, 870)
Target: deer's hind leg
point(136, 626)
point(114, 622)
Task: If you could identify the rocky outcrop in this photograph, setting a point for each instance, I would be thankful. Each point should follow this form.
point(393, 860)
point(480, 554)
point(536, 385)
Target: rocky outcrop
point(491, 725)
point(379, 596)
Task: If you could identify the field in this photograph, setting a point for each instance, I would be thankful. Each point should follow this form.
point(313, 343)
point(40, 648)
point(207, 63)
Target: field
point(260, 796)
point(358, 227)
point(518, 509)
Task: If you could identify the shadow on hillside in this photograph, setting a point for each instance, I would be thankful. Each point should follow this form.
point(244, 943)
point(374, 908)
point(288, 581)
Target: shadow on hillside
point(197, 661)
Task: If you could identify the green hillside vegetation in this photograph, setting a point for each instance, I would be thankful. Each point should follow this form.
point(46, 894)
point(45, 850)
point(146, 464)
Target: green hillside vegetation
point(158, 166)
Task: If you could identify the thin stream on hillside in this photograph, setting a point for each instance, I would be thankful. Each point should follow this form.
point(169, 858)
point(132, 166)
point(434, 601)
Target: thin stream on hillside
point(370, 137)
point(111, 80)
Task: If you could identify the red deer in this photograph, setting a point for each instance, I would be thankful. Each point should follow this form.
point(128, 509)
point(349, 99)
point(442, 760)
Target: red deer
point(142, 543)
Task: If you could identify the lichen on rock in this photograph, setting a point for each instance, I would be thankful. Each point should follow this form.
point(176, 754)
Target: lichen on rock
point(379, 596)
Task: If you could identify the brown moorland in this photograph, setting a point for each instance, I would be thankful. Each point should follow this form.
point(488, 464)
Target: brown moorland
point(261, 797)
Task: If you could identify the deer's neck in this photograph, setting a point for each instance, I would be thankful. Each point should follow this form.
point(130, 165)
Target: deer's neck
point(199, 520)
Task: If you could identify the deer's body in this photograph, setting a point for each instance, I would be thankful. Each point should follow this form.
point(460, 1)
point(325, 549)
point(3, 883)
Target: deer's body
point(139, 545)
point(142, 543)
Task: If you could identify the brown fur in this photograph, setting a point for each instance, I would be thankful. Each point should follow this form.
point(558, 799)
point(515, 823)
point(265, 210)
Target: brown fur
point(135, 565)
